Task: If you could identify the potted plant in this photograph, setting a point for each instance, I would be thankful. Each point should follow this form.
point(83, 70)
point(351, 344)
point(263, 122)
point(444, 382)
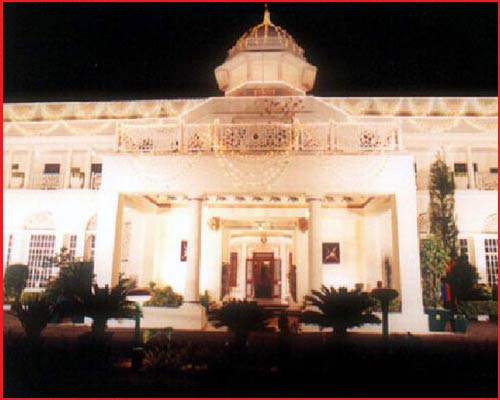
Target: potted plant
point(17, 180)
point(433, 258)
point(76, 180)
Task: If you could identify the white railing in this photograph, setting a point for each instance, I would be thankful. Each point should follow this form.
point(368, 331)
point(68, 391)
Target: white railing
point(320, 137)
point(46, 181)
point(487, 181)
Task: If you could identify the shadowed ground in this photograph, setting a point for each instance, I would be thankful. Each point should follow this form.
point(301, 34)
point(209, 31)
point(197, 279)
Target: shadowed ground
point(305, 365)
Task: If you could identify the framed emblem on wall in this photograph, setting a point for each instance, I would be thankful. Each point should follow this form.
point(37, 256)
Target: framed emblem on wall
point(331, 253)
point(184, 247)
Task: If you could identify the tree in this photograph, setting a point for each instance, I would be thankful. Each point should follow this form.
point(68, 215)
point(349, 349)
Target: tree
point(433, 259)
point(340, 309)
point(462, 277)
point(442, 206)
point(14, 281)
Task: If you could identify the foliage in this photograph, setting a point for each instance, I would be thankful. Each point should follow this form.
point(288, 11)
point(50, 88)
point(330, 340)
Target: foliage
point(394, 306)
point(14, 281)
point(34, 312)
point(340, 309)
point(159, 351)
point(104, 303)
point(241, 318)
point(163, 297)
point(433, 258)
point(205, 300)
point(462, 277)
point(474, 308)
point(442, 206)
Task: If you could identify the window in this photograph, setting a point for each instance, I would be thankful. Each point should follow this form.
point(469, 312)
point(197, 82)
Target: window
point(493, 170)
point(40, 268)
point(15, 167)
point(9, 251)
point(460, 169)
point(464, 247)
point(233, 270)
point(52, 168)
point(96, 168)
point(70, 243)
point(90, 247)
point(491, 254)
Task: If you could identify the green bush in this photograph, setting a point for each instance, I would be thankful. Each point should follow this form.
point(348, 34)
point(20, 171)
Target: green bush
point(163, 297)
point(340, 309)
point(241, 318)
point(463, 278)
point(14, 281)
point(474, 308)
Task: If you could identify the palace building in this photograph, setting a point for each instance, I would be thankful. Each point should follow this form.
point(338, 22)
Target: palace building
point(262, 193)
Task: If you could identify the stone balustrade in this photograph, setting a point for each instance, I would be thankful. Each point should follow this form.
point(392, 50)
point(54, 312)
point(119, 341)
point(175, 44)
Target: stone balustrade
point(272, 137)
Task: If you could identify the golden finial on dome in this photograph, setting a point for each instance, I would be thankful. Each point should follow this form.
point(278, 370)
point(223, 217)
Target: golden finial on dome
point(267, 16)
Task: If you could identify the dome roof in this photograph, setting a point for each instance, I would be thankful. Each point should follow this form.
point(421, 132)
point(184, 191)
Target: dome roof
point(266, 37)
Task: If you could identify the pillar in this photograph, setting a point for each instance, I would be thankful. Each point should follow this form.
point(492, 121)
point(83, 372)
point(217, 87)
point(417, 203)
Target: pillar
point(471, 181)
point(192, 288)
point(314, 237)
point(67, 170)
point(8, 170)
point(27, 173)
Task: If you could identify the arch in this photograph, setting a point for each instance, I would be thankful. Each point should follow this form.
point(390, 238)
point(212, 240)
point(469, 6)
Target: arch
point(491, 224)
point(424, 223)
point(40, 221)
point(91, 223)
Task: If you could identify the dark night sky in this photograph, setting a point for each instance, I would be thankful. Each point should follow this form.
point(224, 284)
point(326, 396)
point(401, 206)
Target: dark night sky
point(72, 51)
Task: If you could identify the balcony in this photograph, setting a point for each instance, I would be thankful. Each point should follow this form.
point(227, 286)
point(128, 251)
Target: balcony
point(95, 181)
point(46, 181)
point(487, 181)
point(483, 181)
point(350, 138)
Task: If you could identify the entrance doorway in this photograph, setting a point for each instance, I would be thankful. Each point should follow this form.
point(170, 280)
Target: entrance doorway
point(263, 276)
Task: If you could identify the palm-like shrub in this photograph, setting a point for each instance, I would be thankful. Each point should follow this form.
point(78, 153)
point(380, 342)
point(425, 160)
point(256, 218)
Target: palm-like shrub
point(340, 309)
point(34, 311)
point(69, 290)
point(241, 318)
point(103, 303)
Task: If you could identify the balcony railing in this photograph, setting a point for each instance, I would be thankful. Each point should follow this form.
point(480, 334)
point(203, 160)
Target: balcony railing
point(320, 137)
point(95, 181)
point(487, 181)
point(47, 181)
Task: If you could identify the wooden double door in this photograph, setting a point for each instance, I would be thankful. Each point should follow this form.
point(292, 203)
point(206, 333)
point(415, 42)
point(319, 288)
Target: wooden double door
point(263, 276)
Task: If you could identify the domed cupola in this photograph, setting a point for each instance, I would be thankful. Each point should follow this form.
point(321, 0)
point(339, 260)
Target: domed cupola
point(266, 60)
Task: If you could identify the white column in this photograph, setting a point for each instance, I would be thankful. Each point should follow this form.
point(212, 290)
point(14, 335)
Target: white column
point(87, 169)
point(67, 169)
point(192, 289)
point(108, 237)
point(471, 181)
point(8, 170)
point(27, 172)
point(315, 262)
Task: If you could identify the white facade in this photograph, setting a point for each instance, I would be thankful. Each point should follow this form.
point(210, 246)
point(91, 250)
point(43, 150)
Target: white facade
point(265, 174)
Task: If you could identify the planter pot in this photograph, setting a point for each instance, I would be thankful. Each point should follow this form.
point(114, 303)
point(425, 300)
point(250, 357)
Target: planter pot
point(438, 319)
point(459, 323)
